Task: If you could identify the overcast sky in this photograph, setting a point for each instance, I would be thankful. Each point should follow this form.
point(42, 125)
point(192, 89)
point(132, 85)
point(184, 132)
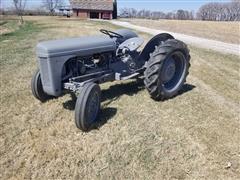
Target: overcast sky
point(161, 5)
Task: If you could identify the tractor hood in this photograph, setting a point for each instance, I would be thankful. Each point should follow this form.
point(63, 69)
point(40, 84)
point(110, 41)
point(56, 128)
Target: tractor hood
point(81, 46)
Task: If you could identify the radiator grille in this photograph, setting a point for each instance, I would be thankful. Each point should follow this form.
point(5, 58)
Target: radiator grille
point(44, 68)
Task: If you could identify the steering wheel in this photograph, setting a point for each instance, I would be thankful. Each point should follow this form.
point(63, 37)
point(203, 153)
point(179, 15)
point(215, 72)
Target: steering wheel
point(111, 34)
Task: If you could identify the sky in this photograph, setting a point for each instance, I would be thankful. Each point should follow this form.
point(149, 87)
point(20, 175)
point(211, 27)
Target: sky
point(160, 5)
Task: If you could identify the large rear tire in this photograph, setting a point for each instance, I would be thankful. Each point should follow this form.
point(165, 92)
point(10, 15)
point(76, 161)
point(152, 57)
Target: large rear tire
point(167, 69)
point(37, 88)
point(87, 106)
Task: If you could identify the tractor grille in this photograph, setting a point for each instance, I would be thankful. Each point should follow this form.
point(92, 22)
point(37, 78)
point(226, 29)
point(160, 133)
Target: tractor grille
point(44, 69)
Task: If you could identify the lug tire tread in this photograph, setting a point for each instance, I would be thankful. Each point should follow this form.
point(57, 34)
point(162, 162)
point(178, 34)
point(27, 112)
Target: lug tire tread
point(155, 62)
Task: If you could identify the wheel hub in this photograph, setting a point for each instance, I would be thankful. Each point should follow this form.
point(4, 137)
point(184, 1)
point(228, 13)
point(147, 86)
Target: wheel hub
point(168, 70)
point(93, 107)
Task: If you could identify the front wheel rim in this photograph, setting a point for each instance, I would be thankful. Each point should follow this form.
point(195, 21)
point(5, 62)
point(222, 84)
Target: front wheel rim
point(93, 107)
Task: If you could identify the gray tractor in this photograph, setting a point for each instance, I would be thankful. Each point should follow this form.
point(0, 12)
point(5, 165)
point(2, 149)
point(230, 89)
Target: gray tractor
point(79, 65)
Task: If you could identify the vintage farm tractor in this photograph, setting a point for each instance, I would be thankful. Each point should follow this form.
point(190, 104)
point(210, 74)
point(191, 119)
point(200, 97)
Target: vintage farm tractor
point(79, 64)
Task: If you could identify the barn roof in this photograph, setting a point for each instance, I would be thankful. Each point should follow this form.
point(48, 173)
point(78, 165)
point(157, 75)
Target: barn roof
point(106, 5)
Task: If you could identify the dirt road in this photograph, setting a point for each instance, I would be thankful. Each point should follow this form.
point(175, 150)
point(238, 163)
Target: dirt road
point(196, 41)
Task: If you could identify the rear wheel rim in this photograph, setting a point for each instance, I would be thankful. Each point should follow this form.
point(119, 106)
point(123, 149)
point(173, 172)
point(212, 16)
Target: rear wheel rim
point(173, 71)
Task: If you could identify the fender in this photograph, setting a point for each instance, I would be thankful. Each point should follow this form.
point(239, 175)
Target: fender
point(150, 46)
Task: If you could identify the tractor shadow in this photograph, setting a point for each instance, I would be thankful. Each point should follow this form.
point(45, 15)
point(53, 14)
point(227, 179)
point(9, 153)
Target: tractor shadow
point(185, 89)
point(113, 93)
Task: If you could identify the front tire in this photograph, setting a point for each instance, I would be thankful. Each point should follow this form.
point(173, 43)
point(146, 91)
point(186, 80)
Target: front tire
point(87, 106)
point(37, 88)
point(167, 69)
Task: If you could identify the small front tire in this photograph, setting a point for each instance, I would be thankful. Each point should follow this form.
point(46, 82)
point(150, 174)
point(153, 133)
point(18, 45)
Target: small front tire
point(37, 88)
point(87, 106)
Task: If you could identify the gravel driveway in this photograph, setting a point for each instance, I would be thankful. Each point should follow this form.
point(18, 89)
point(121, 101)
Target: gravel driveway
point(196, 41)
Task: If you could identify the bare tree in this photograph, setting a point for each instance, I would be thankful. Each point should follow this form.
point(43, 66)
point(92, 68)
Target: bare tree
point(20, 6)
point(52, 5)
point(133, 12)
point(229, 11)
point(181, 14)
point(235, 10)
point(191, 15)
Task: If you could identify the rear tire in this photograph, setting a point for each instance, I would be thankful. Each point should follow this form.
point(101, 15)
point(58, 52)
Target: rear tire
point(87, 106)
point(37, 88)
point(167, 69)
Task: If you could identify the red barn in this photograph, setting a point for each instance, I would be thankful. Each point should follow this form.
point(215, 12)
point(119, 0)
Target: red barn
point(93, 9)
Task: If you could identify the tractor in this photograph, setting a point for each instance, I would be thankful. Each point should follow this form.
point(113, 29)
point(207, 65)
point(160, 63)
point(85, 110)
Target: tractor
point(78, 65)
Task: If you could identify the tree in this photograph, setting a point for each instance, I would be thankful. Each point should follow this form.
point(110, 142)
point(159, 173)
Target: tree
point(191, 15)
point(115, 9)
point(235, 10)
point(19, 7)
point(181, 14)
point(51, 5)
point(229, 11)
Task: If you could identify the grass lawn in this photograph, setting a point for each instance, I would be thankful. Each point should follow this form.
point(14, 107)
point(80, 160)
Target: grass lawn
point(192, 136)
point(222, 31)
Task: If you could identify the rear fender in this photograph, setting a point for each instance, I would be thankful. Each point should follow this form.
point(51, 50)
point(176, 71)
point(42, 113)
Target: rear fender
point(126, 34)
point(150, 46)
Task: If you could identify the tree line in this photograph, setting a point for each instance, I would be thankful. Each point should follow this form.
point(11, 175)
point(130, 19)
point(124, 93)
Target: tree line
point(227, 11)
point(133, 13)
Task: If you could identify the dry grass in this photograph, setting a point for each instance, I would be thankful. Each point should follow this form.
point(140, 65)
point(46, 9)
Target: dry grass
point(222, 31)
point(7, 26)
point(192, 136)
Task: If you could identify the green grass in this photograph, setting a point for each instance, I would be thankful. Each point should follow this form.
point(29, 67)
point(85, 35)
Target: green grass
point(12, 44)
point(19, 31)
point(13, 24)
point(3, 23)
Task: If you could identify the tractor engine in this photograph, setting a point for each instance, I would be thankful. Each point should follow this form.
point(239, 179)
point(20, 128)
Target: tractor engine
point(78, 66)
point(127, 51)
point(129, 58)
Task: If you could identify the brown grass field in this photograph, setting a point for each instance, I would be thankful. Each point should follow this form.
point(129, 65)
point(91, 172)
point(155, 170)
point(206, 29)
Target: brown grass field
point(222, 31)
point(195, 135)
